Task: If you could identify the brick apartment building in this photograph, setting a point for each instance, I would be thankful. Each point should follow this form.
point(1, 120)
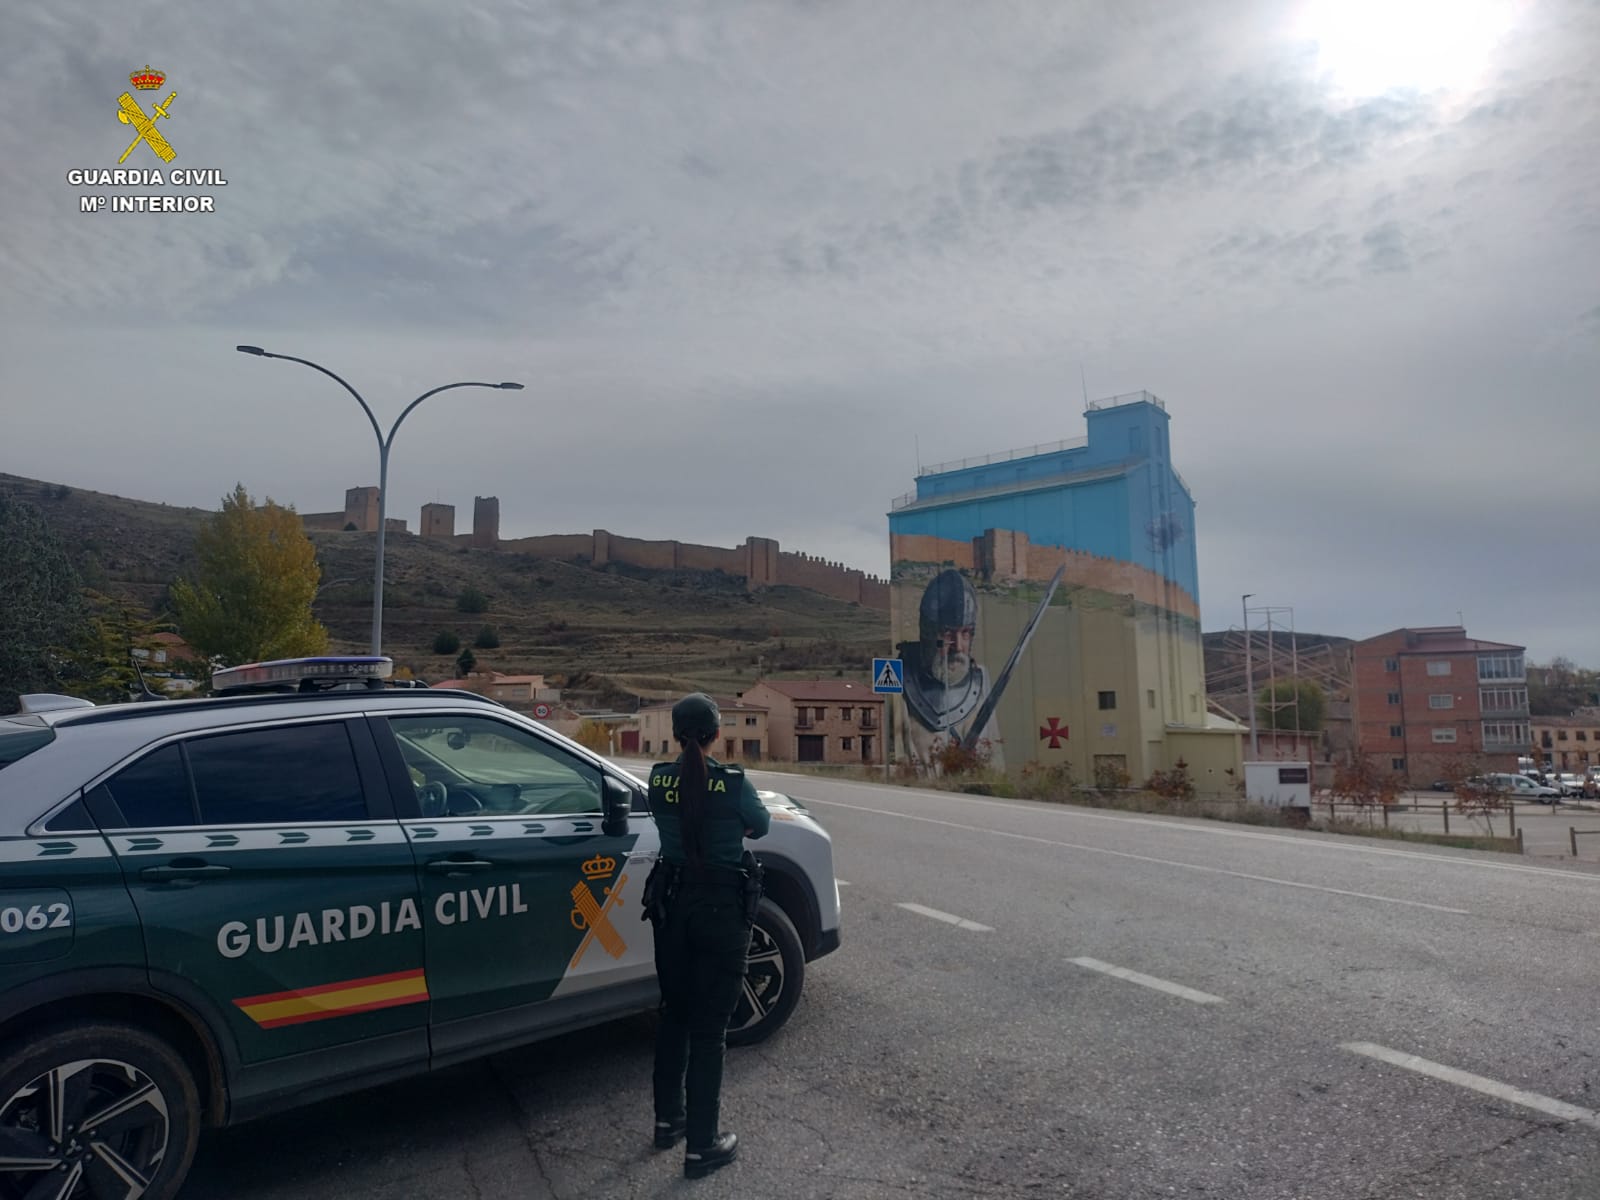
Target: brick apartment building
point(743, 738)
point(821, 720)
point(1427, 700)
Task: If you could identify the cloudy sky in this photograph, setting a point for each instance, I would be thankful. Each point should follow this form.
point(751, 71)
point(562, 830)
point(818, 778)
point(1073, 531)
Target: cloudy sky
point(756, 260)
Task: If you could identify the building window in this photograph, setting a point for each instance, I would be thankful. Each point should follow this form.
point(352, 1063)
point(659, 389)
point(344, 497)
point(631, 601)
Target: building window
point(750, 721)
point(1150, 696)
point(1441, 700)
point(819, 713)
point(1501, 666)
point(1561, 735)
point(1504, 734)
point(1444, 735)
point(1397, 764)
point(1439, 667)
point(1394, 697)
point(1581, 736)
point(1108, 700)
point(647, 745)
point(1397, 731)
point(1391, 664)
point(1506, 700)
point(844, 743)
point(844, 715)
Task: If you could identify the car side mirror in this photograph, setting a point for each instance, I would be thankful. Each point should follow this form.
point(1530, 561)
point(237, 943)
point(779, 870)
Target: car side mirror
point(616, 803)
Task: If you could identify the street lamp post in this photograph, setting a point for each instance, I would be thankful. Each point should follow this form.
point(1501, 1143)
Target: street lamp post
point(1249, 678)
point(384, 444)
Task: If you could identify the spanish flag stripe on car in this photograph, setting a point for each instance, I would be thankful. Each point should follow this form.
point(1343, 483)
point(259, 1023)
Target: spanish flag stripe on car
point(335, 999)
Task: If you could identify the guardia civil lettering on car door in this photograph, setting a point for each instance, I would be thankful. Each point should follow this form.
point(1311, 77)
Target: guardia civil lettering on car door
point(381, 881)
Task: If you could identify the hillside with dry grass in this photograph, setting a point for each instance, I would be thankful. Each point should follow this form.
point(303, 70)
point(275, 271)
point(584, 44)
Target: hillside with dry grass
point(608, 635)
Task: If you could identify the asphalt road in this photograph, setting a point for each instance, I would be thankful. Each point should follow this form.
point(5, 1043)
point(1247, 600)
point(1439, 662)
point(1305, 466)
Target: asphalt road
point(1311, 1018)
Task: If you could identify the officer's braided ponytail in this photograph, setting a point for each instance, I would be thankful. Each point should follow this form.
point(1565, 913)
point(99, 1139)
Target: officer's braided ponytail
point(692, 798)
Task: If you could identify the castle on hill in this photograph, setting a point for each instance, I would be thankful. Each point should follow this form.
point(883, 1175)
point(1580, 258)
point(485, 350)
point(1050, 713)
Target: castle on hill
point(760, 562)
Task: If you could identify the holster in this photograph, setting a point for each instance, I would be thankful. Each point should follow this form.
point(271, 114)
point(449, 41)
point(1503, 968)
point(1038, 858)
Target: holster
point(658, 888)
point(751, 888)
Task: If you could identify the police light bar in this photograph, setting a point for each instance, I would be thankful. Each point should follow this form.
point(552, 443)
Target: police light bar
point(303, 674)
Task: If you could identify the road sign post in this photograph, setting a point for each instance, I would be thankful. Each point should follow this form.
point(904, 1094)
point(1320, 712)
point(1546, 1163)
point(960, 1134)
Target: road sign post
point(888, 680)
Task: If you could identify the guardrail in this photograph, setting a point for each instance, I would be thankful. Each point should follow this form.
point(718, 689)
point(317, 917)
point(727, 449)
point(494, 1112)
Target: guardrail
point(1574, 833)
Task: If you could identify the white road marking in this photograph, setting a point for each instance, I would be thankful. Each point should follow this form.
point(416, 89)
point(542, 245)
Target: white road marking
point(842, 882)
point(948, 918)
point(1212, 829)
point(1149, 981)
point(1477, 1083)
point(1165, 862)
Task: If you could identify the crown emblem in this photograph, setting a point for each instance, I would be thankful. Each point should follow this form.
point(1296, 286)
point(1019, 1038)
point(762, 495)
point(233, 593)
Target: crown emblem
point(599, 867)
point(147, 78)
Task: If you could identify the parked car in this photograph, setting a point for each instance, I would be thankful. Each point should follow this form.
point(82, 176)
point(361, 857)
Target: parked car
point(1520, 787)
point(1567, 784)
point(218, 908)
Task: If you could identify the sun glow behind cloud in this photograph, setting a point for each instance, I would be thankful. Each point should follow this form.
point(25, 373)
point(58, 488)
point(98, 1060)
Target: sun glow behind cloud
point(1369, 47)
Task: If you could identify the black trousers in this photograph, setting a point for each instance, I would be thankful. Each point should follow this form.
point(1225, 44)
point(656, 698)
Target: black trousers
point(701, 948)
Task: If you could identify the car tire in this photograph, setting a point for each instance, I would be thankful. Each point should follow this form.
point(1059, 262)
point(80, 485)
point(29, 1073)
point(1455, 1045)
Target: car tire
point(774, 979)
point(103, 1064)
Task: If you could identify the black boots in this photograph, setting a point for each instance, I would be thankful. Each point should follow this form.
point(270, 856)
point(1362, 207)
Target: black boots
point(668, 1133)
point(723, 1150)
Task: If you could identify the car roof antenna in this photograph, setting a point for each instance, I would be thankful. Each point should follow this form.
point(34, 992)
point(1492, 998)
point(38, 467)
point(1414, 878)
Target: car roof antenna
point(145, 694)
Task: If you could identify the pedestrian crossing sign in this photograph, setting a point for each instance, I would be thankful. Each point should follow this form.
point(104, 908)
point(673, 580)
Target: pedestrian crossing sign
point(888, 675)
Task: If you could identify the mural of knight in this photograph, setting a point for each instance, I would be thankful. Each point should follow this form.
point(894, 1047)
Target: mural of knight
point(1044, 604)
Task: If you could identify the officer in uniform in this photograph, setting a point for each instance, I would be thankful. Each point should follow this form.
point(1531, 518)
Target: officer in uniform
point(702, 899)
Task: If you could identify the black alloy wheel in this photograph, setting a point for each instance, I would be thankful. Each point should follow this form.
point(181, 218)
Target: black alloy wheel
point(774, 975)
point(95, 1113)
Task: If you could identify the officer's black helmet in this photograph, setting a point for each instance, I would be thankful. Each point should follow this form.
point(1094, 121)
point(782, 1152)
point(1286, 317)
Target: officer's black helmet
point(948, 603)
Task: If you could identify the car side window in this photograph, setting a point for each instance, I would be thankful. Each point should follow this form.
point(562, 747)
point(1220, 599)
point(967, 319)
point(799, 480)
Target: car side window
point(465, 765)
point(154, 792)
point(289, 773)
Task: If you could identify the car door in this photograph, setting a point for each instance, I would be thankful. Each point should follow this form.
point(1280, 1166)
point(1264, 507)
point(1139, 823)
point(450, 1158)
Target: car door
point(532, 908)
point(271, 877)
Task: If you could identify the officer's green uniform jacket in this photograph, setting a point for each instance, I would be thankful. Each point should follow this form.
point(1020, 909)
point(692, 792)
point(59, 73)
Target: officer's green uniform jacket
point(731, 808)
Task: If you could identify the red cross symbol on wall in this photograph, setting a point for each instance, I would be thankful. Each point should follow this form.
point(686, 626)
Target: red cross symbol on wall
point(1055, 731)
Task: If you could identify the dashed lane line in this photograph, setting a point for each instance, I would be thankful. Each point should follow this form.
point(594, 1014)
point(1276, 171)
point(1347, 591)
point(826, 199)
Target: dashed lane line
point(1149, 981)
point(1559, 1109)
point(1165, 862)
point(947, 918)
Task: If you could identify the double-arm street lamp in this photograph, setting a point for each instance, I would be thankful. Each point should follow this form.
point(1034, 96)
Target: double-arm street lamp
point(384, 444)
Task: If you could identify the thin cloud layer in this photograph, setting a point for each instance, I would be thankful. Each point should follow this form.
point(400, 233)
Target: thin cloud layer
point(755, 262)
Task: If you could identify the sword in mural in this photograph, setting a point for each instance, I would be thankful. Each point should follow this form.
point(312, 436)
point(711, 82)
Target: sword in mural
point(992, 700)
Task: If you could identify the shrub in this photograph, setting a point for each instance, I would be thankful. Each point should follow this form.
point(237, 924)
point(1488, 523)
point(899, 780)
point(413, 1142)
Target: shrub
point(471, 600)
point(1040, 782)
point(465, 662)
point(596, 735)
point(1109, 777)
point(488, 638)
point(955, 759)
point(446, 642)
point(1172, 785)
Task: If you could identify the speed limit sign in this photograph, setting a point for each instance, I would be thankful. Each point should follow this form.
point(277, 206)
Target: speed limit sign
point(541, 710)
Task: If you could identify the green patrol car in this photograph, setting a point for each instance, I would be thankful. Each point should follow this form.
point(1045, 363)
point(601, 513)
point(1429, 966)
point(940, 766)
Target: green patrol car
point(215, 909)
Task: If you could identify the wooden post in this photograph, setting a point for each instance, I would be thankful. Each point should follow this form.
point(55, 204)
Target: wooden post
point(1511, 810)
point(1385, 808)
point(1572, 836)
point(1445, 810)
point(1521, 849)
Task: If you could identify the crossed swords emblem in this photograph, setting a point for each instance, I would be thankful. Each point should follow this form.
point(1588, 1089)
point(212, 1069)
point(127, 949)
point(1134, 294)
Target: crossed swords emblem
point(595, 920)
point(129, 113)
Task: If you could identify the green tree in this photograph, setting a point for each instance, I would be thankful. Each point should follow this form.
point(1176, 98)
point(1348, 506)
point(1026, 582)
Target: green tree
point(488, 638)
point(100, 664)
point(41, 609)
point(465, 661)
point(446, 642)
point(471, 600)
point(1275, 705)
point(251, 599)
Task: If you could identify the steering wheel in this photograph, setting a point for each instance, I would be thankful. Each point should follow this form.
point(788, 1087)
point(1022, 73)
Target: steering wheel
point(462, 803)
point(433, 799)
